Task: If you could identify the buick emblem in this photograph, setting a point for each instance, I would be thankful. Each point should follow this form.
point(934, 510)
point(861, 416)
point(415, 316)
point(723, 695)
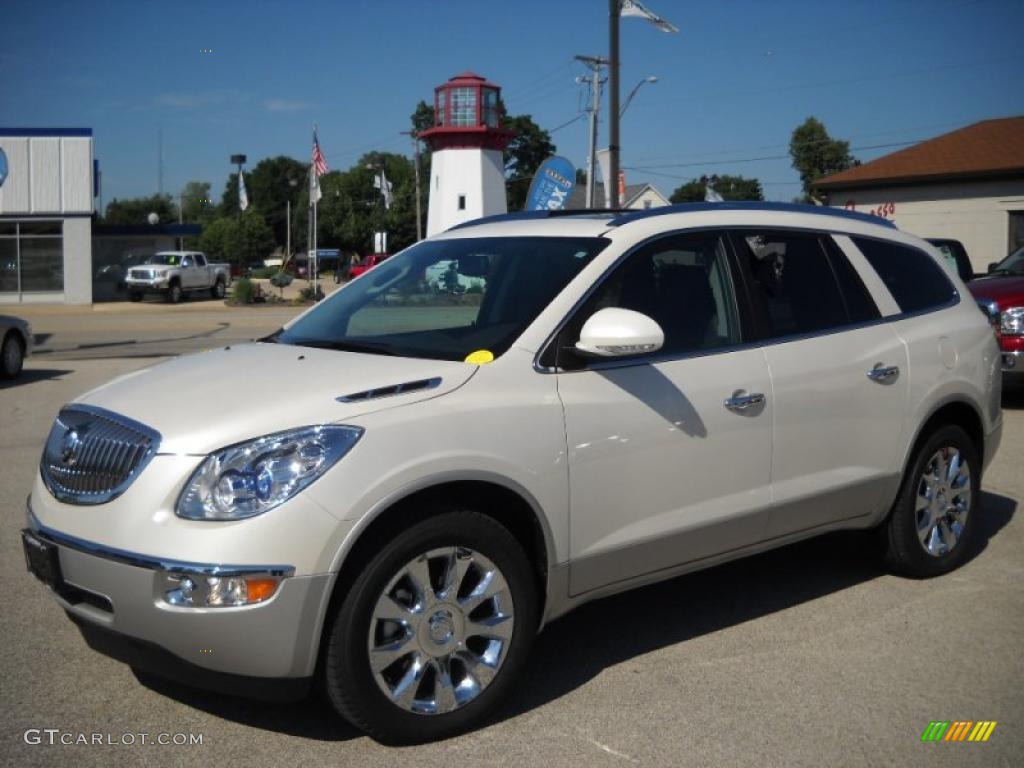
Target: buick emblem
point(69, 448)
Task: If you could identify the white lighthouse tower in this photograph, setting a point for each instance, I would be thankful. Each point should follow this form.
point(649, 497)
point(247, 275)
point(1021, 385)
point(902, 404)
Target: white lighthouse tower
point(467, 178)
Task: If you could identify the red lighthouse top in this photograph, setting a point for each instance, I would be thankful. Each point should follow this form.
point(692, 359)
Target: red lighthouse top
point(467, 114)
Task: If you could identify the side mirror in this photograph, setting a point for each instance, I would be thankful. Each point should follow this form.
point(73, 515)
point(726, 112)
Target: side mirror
point(616, 332)
point(993, 266)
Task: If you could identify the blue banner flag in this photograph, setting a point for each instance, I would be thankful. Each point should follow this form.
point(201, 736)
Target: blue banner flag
point(551, 185)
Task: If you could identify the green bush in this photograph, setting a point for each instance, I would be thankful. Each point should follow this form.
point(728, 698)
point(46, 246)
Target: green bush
point(244, 291)
point(280, 279)
point(264, 272)
point(306, 294)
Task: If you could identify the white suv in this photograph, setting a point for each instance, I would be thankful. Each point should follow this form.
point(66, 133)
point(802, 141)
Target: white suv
point(410, 482)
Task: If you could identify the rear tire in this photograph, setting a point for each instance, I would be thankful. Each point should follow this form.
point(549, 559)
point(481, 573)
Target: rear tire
point(464, 602)
point(932, 524)
point(218, 290)
point(12, 356)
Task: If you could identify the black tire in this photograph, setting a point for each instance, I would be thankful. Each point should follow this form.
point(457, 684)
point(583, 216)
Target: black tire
point(218, 290)
point(12, 356)
point(904, 550)
point(348, 678)
point(174, 293)
point(135, 296)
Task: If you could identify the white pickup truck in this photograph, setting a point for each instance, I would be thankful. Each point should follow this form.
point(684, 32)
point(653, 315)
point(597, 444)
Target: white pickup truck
point(175, 273)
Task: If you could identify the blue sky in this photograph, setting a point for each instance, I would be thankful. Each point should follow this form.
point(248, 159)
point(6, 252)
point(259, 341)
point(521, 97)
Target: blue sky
point(735, 81)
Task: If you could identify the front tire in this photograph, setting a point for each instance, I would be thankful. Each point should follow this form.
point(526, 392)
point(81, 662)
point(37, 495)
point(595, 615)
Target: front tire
point(434, 630)
point(12, 356)
point(174, 293)
point(931, 526)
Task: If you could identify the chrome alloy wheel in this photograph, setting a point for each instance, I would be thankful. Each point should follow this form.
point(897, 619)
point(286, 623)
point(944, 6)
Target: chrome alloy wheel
point(943, 501)
point(440, 630)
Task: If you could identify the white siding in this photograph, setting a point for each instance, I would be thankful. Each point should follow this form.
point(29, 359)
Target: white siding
point(975, 213)
point(78, 260)
point(77, 175)
point(14, 192)
point(44, 159)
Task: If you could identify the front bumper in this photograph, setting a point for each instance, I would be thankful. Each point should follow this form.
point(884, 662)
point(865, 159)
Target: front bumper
point(117, 600)
point(156, 284)
point(1013, 364)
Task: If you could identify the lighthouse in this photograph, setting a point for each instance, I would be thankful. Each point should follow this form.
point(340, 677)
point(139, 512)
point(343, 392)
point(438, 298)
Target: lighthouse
point(467, 173)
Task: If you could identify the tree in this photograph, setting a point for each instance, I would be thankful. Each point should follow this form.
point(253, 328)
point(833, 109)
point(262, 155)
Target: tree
point(196, 203)
point(816, 154)
point(136, 210)
point(268, 187)
point(242, 240)
point(530, 146)
point(729, 187)
point(423, 117)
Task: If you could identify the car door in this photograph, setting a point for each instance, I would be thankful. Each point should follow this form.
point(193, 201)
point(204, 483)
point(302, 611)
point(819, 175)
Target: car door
point(669, 454)
point(839, 380)
point(202, 272)
point(188, 272)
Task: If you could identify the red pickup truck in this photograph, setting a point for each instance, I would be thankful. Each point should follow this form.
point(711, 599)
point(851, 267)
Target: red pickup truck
point(368, 263)
point(1001, 294)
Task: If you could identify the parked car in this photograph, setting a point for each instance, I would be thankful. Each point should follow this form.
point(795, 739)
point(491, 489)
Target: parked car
point(955, 256)
point(637, 395)
point(367, 263)
point(15, 345)
point(177, 273)
point(1001, 294)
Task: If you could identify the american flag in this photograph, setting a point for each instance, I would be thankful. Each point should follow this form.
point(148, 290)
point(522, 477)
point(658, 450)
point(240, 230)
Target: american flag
point(319, 164)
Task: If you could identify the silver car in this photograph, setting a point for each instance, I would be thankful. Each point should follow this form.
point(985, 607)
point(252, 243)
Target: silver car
point(15, 347)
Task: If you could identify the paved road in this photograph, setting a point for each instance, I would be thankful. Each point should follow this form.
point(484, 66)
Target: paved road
point(811, 655)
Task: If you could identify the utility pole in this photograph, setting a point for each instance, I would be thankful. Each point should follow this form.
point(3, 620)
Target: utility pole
point(614, 9)
point(416, 160)
point(160, 161)
point(595, 63)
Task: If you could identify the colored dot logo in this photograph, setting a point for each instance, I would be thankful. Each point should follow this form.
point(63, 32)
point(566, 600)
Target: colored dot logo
point(206, 50)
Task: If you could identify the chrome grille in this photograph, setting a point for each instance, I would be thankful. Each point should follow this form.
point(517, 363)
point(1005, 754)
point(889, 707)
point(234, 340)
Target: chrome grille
point(92, 455)
point(143, 274)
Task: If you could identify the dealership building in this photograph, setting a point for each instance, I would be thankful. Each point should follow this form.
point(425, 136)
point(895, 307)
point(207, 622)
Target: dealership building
point(51, 251)
point(967, 185)
point(46, 207)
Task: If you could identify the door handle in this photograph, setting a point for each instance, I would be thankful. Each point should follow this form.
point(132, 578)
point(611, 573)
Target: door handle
point(883, 374)
point(739, 402)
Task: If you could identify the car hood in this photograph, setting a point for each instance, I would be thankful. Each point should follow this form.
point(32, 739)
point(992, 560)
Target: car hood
point(199, 403)
point(1005, 291)
point(156, 267)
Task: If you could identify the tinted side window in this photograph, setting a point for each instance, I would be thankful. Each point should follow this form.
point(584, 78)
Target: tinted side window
point(683, 283)
point(913, 278)
point(793, 280)
point(859, 305)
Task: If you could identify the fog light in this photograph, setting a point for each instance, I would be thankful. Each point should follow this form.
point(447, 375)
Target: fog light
point(201, 591)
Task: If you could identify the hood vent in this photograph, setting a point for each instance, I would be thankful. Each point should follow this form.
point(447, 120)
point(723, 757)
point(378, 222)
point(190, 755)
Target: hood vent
point(391, 390)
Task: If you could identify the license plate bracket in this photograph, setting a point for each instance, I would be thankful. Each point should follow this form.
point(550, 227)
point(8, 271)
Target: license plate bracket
point(42, 559)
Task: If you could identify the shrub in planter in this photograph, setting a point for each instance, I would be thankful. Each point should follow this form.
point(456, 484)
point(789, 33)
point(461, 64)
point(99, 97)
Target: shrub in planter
point(244, 291)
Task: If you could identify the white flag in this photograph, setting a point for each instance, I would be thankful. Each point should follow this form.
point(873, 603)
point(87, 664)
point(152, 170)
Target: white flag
point(243, 196)
point(381, 182)
point(633, 8)
point(710, 196)
point(315, 194)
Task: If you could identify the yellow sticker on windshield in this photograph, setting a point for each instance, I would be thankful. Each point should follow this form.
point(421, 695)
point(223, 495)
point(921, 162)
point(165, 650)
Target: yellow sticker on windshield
point(480, 357)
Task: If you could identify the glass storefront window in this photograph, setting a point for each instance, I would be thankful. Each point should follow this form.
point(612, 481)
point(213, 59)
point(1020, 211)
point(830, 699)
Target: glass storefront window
point(31, 256)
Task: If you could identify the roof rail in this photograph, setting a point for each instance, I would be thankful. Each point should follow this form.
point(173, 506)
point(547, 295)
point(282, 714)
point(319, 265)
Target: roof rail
point(543, 214)
point(819, 210)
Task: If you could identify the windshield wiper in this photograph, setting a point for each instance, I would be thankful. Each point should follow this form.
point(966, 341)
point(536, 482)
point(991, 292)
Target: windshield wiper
point(345, 346)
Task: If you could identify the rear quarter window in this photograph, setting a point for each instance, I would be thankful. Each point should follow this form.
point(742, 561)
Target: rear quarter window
point(914, 279)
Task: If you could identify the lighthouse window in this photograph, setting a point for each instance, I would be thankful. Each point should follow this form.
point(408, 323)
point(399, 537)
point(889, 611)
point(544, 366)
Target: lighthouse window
point(462, 202)
point(490, 110)
point(439, 116)
point(463, 106)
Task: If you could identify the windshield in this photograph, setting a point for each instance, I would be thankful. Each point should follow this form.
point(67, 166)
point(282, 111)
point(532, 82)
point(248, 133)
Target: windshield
point(171, 259)
point(447, 299)
point(1012, 264)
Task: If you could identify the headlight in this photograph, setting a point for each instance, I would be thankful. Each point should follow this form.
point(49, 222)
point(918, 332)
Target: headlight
point(1011, 321)
point(250, 478)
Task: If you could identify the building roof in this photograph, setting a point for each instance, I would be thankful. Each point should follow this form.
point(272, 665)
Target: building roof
point(578, 199)
point(991, 148)
point(33, 132)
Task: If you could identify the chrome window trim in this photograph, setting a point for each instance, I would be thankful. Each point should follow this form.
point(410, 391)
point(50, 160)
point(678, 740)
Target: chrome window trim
point(146, 561)
point(759, 343)
point(104, 496)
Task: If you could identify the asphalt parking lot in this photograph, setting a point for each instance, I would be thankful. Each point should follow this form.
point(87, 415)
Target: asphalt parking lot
point(810, 655)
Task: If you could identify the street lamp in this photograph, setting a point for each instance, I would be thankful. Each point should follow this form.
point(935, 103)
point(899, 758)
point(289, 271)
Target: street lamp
point(625, 104)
